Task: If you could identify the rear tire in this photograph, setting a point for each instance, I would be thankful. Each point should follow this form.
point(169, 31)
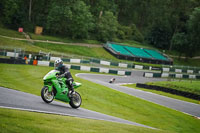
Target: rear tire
point(75, 100)
point(46, 96)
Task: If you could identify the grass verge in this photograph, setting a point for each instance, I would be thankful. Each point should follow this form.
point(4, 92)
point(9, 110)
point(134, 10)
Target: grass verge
point(102, 99)
point(192, 86)
point(164, 94)
point(10, 44)
point(11, 33)
point(23, 122)
point(77, 50)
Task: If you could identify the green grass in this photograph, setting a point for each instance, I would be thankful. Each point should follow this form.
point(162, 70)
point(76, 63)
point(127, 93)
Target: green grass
point(62, 39)
point(164, 94)
point(78, 50)
point(191, 86)
point(10, 44)
point(102, 99)
point(189, 62)
point(23, 122)
point(11, 33)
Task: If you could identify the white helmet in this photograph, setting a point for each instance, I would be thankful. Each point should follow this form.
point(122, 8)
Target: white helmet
point(57, 62)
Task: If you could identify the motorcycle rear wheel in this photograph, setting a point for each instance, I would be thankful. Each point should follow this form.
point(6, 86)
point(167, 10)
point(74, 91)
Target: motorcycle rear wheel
point(75, 100)
point(46, 96)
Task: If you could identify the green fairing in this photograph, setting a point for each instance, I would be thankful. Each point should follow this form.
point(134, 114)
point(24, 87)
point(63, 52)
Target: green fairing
point(52, 82)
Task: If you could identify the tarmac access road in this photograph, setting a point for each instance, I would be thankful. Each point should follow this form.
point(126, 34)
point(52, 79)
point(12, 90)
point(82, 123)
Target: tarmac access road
point(13, 99)
point(185, 107)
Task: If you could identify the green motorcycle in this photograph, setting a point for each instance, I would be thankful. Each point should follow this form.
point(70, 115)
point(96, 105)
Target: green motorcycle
point(56, 88)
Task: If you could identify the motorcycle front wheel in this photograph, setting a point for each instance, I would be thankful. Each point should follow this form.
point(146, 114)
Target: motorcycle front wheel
point(46, 96)
point(75, 100)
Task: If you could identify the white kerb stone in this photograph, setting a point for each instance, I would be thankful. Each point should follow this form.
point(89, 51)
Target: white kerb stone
point(43, 63)
point(165, 69)
point(123, 65)
point(85, 68)
point(179, 75)
point(105, 63)
point(178, 70)
point(138, 67)
point(149, 75)
point(165, 75)
point(12, 54)
point(190, 71)
point(104, 70)
point(75, 60)
point(54, 58)
point(192, 76)
point(121, 72)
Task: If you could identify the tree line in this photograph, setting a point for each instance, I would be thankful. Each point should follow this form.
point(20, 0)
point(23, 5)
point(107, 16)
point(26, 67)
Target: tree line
point(166, 24)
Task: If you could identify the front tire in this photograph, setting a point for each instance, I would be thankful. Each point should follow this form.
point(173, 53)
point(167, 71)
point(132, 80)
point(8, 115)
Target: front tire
point(46, 96)
point(75, 100)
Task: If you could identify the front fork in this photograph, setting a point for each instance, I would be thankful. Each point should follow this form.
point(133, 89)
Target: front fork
point(50, 88)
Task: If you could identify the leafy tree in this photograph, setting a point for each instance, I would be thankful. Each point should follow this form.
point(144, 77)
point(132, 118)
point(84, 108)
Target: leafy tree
point(82, 20)
point(180, 43)
point(99, 6)
point(12, 13)
point(70, 18)
point(136, 34)
point(106, 27)
point(194, 31)
point(160, 35)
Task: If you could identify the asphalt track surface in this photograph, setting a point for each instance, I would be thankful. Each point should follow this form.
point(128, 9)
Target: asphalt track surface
point(14, 99)
point(185, 107)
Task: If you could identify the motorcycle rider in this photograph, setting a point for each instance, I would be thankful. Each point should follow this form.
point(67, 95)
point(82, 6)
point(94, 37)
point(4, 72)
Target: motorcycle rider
point(64, 72)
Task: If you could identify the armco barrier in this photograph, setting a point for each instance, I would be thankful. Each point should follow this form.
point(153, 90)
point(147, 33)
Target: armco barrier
point(83, 68)
point(169, 90)
point(179, 70)
point(170, 75)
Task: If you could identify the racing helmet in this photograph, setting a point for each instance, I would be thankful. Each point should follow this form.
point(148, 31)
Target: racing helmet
point(58, 63)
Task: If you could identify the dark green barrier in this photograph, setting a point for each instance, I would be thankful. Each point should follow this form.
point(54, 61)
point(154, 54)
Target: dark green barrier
point(146, 67)
point(184, 70)
point(185, 76)
point(156, 75)
point(114, 63)
point(66, 60)
point(172, 70)
point(95, 61)
point(3, 53)
point(127, 73)
point(113, 71)
point(85, 61)
point(169, 90)
point(75, 67)
point(51, 64)
point(94, 70)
